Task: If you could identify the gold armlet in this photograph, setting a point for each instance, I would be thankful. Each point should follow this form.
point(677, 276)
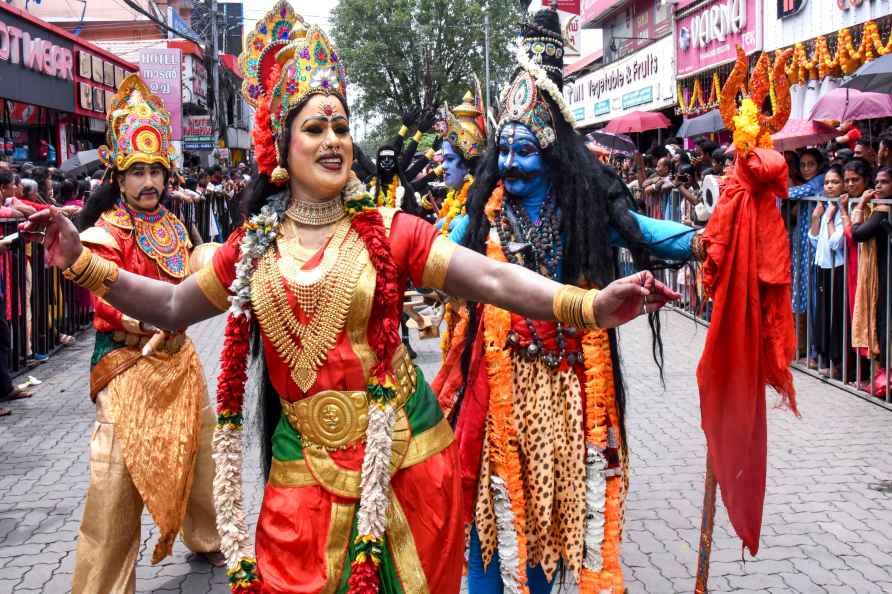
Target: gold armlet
point(575, 307)
point(403, 131)
point(698, 248)
point(438, 171)
point(92, 272)
point(429, 154)
point(418, 135)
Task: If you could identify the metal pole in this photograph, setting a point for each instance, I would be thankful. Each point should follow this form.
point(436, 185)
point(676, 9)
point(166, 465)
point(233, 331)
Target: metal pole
point(706, 527)
point(486, 62)
point(215, 111)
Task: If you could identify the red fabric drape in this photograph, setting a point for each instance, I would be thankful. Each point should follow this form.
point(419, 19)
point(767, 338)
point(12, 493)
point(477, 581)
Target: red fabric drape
point(751, 339)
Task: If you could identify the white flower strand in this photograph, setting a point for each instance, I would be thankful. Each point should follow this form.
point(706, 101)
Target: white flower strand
point(506, 536)
point(595, 501)
point(375, 481)
point(544, 83)
point(231, 524)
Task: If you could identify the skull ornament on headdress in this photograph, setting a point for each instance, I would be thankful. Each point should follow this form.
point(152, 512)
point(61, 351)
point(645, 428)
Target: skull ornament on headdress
point(137, 128)
point(286, 62)
point(540, 57)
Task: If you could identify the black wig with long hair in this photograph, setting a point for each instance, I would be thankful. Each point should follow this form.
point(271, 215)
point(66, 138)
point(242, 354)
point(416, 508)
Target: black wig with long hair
point(592, 200)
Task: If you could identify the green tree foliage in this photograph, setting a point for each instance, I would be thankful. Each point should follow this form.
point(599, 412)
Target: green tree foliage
point(404, 54)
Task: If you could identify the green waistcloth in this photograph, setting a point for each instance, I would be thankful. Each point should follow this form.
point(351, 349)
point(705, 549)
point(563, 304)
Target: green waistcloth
point(103, 346)
point(422, 409)
point(390, 581)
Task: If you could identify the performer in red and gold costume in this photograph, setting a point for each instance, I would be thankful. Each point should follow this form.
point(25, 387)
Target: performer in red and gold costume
point(363, 489)
point(151, 445)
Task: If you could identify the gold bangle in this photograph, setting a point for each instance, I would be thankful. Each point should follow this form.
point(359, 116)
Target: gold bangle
point(418, 135)
point(698, 248)
point(589, 314)
point(575, 307)
point(429, 154)
point(76, 269)
point(92, 272)
point(403, 131)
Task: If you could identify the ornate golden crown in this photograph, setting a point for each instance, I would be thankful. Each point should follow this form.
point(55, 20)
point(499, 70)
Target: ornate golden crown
point(137, 128)
point(309, 64)
point(465, 126)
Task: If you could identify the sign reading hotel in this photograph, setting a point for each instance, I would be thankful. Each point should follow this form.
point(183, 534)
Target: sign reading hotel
point(161, 69)
point(644, 81)
point(708, 36)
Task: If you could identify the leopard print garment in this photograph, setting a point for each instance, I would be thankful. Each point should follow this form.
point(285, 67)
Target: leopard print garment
point(548, 410)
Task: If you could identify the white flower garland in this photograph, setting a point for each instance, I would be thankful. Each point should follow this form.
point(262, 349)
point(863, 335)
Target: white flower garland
point(227, 442)
point(595, 500)
point(543, 82)
point(506, 536)
point(375, 482)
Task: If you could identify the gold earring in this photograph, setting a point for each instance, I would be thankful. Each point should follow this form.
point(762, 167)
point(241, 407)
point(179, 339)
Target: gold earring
point(279, 175)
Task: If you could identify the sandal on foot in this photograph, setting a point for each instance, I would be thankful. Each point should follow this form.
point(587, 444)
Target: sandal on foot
point(16, 394)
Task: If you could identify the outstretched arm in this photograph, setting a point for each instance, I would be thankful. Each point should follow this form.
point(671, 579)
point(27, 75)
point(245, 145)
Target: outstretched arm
point(475, 277)
point(170, 307)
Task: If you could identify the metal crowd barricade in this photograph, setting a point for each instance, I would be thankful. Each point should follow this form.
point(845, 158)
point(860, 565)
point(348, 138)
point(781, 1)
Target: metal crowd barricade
point(40, 305)
point(857, 371)
point(214, 217)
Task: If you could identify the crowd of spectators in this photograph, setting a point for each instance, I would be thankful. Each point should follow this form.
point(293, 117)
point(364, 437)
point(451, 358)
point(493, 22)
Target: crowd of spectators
point(26, 189)
point(839, 224)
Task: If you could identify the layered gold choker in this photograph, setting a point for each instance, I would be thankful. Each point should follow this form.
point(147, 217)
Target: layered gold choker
point(316, 214)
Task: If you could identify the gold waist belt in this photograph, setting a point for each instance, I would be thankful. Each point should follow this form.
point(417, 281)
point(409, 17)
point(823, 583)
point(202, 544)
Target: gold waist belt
point(334, 419)
point(170, 344)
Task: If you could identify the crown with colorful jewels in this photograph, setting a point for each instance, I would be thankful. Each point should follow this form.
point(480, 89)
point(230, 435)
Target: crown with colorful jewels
point(466, 127)
point(137, 128)
point(310, 66)
point(539, 56)
point(271, 33)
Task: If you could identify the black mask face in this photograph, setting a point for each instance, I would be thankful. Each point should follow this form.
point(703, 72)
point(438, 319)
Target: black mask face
point(387, 161)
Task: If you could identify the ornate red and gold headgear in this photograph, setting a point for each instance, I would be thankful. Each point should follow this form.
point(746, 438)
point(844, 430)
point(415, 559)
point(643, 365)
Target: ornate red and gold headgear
point(285, 63)
point(749, 126)
point(466, 125)
point(137, 128)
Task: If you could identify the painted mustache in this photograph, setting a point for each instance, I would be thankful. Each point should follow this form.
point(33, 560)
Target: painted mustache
point(516, 173)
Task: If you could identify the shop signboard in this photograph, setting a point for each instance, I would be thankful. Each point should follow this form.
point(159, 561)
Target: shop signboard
point(36, 65)
point(708, 35)
point(161, 69)
point(198, 133)
point(820, 17)
point(644, 81)
point(195, 81)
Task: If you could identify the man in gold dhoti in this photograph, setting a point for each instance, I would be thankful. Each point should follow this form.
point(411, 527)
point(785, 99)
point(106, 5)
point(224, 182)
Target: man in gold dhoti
point(151, 444)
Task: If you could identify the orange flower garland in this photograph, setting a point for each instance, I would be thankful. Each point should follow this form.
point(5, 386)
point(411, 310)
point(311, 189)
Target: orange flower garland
point(504, 455)
point(601, 414)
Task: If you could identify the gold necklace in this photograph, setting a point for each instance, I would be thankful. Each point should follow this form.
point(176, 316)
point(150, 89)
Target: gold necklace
point(316, 214)
point(304, 345)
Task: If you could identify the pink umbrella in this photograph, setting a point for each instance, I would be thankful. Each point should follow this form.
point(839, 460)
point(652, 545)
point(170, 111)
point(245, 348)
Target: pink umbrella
point(799, 133)
point(848, 104)
point(637, 121)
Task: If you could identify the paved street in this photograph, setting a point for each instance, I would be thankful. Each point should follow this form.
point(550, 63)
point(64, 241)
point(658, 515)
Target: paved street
point(828, 512)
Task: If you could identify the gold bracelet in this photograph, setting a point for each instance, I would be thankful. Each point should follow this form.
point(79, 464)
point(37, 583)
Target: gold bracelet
point(589, 314)
point(418, 135)
point(575, 307)
point(92, 272)
point(79, 265)
point(403, 131)
point(429, 154)
point(439, 170)
point(698, 248)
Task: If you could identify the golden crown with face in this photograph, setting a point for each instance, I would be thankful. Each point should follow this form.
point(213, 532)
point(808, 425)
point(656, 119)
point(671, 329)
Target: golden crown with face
point(138, 128)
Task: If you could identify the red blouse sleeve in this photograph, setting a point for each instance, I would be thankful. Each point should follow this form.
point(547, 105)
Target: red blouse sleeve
point(420, 251)
point(214, 280)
